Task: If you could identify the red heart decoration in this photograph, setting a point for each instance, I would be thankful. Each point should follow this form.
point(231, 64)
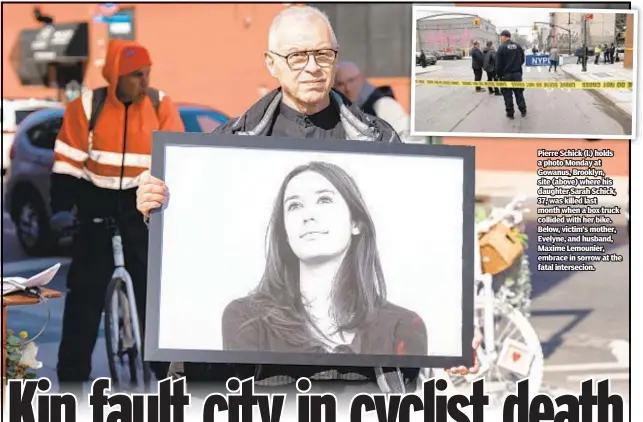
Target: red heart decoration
point(516, 356)
point(401, 348)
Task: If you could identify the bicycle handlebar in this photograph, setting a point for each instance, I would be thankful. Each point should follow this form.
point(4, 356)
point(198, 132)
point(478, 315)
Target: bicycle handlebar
point(109, 222)
point(511, 210)
point(517, 201)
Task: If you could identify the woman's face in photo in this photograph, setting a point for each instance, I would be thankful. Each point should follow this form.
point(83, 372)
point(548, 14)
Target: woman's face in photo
point(317, 218)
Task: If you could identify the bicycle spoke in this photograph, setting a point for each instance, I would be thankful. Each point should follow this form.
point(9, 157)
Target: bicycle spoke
point(128, 372)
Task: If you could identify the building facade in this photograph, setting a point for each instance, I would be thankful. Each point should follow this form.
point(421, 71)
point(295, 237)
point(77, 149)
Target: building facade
point(442, 33)
point(543, 38)
point(628, 57)
point(212, 54)
point(600, 29)
point(620, 25)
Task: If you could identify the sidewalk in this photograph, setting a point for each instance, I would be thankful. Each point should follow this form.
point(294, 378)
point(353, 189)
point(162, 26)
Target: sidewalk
point(623, 99)
point(432, 68)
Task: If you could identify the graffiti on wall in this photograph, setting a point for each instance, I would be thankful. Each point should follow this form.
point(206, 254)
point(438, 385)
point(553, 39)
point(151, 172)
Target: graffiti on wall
point(564, 39)
point(436, 40)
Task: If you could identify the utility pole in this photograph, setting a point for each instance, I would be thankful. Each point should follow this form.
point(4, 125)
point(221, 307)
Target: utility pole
point(584, 43)
point(569, 34)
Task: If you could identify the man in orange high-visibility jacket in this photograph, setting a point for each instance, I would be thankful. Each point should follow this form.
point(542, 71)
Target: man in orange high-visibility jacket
point(103, 146)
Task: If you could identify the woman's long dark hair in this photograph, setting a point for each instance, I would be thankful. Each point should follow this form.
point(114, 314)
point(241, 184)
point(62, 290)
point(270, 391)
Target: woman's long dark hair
point(359, 288)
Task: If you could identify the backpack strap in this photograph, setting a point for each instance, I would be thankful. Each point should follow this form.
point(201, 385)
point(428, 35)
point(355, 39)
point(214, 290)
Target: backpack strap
point(99, 95)
point(155, 97)
point(98, 100)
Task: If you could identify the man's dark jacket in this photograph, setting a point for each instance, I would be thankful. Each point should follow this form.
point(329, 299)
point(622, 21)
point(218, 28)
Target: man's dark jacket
point(378, 93)
point(477, 58)
point(489, 60)
point(258, 121)
point(509, 59)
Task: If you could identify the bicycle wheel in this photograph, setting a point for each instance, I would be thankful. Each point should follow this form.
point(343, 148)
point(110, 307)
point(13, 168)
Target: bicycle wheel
point(518, 357)
point(126, 366)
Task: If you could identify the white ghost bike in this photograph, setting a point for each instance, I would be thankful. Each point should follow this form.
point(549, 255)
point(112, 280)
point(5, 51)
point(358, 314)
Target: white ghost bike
point(122, 329)
point(511, 350)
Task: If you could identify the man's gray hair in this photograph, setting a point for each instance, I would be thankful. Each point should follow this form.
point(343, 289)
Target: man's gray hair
point(300, 13)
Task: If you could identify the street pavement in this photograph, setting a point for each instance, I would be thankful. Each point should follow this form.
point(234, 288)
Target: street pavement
point(457, 109)
point(607, 72)
point(582, 319)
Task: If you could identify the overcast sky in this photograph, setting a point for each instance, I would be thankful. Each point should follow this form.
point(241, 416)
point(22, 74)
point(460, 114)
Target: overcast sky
point(521, 19)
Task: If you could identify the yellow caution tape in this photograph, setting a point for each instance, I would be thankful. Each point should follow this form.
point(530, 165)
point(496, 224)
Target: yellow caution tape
point(537, 85)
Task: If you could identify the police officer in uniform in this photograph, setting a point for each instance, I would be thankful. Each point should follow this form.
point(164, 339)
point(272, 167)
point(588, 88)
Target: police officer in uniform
point(509, 60)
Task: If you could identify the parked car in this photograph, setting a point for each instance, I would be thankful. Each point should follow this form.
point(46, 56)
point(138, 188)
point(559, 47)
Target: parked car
point(451, 55)
point(27, 191)
point(197, 118)
point(430, 59)
point(15, 111)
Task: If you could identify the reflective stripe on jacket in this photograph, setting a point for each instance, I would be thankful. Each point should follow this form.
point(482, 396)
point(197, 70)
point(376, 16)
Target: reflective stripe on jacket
point(118, 150)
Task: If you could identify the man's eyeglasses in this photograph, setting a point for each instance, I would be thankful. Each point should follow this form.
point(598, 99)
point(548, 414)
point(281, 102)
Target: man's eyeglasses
point(298, 60)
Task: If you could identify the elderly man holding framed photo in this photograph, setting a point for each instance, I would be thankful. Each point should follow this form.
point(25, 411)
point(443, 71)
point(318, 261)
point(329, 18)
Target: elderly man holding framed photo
point(302, 54)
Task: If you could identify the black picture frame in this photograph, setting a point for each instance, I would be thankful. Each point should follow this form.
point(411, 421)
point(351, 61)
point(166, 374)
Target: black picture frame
point(153, 351)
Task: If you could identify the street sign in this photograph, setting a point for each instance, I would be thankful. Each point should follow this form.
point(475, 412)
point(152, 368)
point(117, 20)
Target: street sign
point(111, 13)
point(121, 17)
point(536, 60)
point(107, 9)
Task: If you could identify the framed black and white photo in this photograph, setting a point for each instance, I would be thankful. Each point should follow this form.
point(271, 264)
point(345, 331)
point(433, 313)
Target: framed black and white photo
point(313, 252)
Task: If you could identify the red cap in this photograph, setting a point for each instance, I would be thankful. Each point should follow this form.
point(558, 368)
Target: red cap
point(132, 59)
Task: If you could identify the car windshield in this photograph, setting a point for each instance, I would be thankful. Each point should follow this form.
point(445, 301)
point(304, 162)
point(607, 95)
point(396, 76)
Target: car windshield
point(201, 120)
point(207, 123)
point(22, 114)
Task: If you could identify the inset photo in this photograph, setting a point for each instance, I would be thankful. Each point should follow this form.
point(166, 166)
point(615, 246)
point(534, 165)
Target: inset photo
point(524, 72)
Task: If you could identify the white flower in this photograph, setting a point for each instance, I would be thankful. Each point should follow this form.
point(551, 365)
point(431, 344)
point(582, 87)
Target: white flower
point(28, 357)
